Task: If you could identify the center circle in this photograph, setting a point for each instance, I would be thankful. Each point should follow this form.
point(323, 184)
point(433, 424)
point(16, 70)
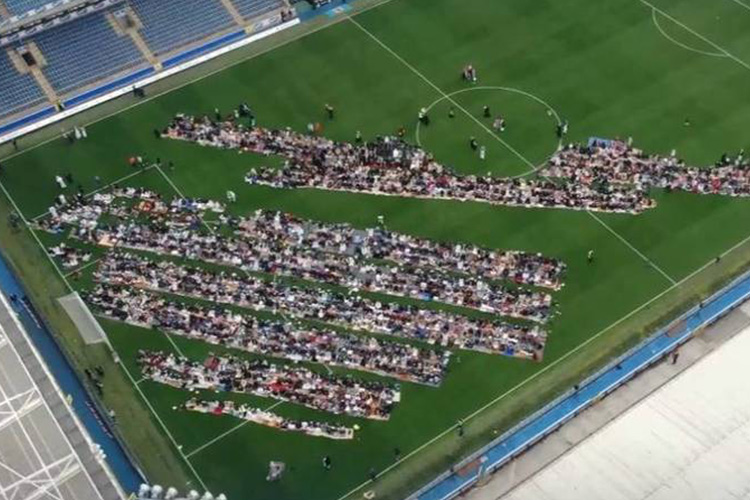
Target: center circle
point(530, 122)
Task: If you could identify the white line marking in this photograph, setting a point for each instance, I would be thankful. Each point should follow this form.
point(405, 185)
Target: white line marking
point(161, 423)
point(743, 4)
point(634, 249)
point(36, 237)
point(510, 148)
point(713, 44)
point(181, 195)
point(228, 432)
point(99, 190)
point(531, 96)
point(81, 268)
point(556, 362)
point(680, 44)
point(440, 91)
point(202, 77)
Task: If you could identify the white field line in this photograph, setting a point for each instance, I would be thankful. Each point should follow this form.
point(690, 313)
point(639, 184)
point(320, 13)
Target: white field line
point(81, 268)
point(551, 365)
point(690, 30)
point(162, 424)
point(510, 148)
point(446, 96)
point(181, 195)
point(36, 237)
point(99, 190)
point(634, 249)
point(207, 75)
point(228, 432)
point(743, 4)
point(666, 35)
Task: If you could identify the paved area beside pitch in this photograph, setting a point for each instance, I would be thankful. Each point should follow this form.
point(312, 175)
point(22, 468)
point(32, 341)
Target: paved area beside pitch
point(43, 453)
point(676, 431)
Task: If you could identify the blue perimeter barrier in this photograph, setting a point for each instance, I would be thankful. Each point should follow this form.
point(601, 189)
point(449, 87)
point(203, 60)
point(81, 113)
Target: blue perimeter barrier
point(127, 474)
point(547, 420)
point(335, 7)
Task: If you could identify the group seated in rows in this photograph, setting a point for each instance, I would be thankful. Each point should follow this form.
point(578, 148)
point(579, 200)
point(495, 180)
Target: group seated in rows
point(346, 310)
point(402, 249)
point(618, 163)
point(306, 264)
point(278, 339)
point(268, 418)
point(339, 395)
point(70, 257)
point(390, 166)
point(265, 242)
point(85, 213)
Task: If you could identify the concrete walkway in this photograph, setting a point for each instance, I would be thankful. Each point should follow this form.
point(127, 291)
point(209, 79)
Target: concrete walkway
point(675, 431)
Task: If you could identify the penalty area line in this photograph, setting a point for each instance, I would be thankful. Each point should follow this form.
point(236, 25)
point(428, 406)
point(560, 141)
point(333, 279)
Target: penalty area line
point(551, 365)
point(228, 432)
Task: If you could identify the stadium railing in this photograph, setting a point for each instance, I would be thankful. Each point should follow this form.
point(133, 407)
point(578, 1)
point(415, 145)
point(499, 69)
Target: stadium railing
point(450, 484)
point(141, 78)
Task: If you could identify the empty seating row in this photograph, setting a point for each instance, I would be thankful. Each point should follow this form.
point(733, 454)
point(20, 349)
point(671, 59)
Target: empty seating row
point(169, 25)
point(17, 91)
point(18, 7)
point(86, 51)
point(250, 9)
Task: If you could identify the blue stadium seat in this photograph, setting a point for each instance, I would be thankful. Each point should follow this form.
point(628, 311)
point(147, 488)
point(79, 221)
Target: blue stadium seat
point(85, 51)
point(250, 9)
point(168, 24)
point(17, 91)
point(17, 7)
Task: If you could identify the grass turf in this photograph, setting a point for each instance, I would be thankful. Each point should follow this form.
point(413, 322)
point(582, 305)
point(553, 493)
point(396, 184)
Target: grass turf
point(604, 67)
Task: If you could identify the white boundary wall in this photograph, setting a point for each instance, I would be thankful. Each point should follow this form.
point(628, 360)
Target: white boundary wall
point(146, 81)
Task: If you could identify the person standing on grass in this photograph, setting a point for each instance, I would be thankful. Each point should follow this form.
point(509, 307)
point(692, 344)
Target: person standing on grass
point(486, 112)
point(327, 462)
point(482, 153)
point(358, 137)
point(330, 111)
point(452, 112)
point(590, 256)
point(231, 196)
point(60, 182)
point(424, 119)
point(473, 144)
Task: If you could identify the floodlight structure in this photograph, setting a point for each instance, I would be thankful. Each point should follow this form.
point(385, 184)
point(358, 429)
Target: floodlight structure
point(157, 492)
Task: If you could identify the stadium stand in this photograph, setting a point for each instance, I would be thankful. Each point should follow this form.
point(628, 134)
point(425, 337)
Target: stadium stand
point(252, 9)
point(18, 7)
point(168, 25)
point(70, 65)
point(59, 54)
point(18, 91)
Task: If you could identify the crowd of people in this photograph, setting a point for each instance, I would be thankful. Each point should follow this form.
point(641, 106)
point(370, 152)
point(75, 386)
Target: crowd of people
point(403, 249)
point(70, 257)
point(390, 166)
point(333, 394)
point(173, 229)
point(307, 264)
point(618, 163)
point(124, 203)
point(279, 339)
point(346, 310)
point(268, 418)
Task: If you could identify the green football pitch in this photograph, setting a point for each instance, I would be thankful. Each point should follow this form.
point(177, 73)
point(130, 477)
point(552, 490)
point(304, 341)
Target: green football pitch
point(614, 68)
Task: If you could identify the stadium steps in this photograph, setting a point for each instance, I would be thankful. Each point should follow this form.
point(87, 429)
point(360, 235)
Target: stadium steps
point(233, 12)
point(135, 36)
